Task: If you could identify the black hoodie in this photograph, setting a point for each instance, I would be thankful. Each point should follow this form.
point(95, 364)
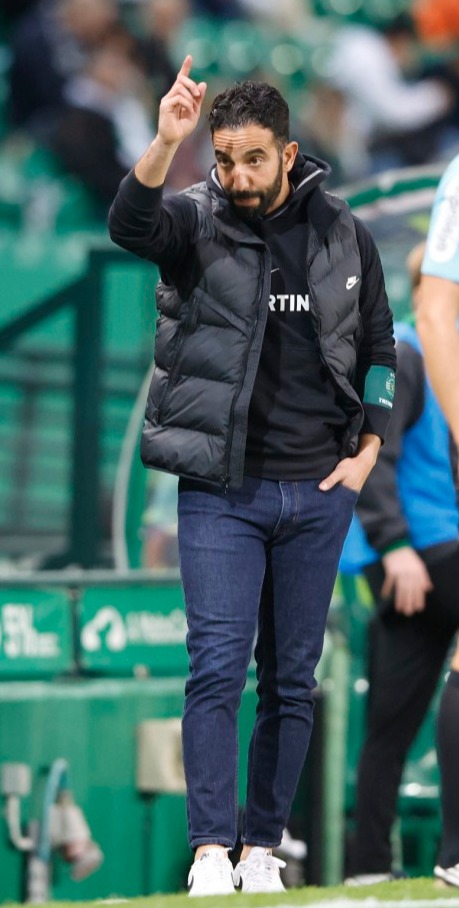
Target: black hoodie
point(295, 420)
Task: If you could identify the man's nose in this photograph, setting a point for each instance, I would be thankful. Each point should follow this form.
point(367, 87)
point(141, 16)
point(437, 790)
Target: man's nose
point(241, 181)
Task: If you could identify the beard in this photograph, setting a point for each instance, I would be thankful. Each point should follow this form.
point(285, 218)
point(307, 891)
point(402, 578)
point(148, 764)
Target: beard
point(250, 213)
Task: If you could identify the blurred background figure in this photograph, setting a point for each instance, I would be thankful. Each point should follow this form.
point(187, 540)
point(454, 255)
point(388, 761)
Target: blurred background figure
point(222, 9)
point(437, 21)
point(366, 95)
point(157, 23)
point(437, 318)
point(409, 551)
point(437, 27)
point(382, 112)
point(327, 134)
point(159, 530)
point(11, 10)
point(158, 26)
point(105, 120)
point(49, 46)
point(437, 324)
point(289, 16)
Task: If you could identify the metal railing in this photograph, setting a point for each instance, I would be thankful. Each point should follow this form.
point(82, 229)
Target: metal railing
point(80, 374)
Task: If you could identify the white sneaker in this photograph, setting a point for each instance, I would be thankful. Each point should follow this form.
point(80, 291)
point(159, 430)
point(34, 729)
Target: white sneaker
point(259, 872)
point(211, 874)
point(448, 874)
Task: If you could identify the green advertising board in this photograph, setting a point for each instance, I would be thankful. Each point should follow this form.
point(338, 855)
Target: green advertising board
point(36, 633)
point(126, 629)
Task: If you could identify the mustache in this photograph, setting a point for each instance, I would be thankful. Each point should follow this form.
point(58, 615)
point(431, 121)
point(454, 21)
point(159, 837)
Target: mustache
point(244, 195)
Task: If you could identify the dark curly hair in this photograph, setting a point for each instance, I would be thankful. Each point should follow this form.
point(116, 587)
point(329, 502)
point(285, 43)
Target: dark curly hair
point(251, 102)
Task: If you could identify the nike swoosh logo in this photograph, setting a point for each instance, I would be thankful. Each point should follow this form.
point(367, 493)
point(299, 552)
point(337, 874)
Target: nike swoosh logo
point(351, 282)
point(273, 270)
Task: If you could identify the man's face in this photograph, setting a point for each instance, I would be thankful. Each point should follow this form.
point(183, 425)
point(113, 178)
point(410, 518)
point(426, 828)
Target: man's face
point(252, 170)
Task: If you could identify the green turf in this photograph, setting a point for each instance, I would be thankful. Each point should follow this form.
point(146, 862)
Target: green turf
point(396, 892)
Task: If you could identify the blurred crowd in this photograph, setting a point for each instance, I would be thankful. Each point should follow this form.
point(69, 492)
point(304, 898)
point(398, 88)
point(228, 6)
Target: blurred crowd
point(86, 76)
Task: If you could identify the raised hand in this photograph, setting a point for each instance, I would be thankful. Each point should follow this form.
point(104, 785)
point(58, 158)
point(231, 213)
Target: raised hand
point(180, 109)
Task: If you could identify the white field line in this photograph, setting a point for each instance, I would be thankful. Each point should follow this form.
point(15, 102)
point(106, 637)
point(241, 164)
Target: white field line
point(372, 902)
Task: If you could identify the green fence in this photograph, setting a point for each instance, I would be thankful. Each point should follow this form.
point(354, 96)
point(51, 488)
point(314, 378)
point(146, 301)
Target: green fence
point(72, 356)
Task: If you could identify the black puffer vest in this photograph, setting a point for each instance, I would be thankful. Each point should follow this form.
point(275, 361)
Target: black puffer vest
point(210, 333)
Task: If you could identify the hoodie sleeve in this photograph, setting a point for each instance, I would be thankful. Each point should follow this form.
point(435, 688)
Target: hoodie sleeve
point(160, 229)
point(376, 361)
point(379, 507)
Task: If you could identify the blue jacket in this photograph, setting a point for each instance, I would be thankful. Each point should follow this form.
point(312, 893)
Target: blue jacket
point(410, 495)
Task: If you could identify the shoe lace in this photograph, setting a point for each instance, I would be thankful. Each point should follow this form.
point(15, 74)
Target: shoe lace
point(262, 868)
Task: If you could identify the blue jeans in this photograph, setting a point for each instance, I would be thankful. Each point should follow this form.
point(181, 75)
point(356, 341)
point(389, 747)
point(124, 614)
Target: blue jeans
point(268, 554)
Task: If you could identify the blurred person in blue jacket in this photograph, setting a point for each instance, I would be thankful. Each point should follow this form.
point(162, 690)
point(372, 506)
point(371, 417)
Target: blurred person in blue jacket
point(405, 538)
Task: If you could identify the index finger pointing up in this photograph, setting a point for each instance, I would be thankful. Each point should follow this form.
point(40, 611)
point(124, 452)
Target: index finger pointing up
point(186, 65)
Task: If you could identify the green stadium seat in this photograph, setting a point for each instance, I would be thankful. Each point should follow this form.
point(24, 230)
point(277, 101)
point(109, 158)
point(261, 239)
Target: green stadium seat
point(36, 193)
point(244, 50)
point(200, 37)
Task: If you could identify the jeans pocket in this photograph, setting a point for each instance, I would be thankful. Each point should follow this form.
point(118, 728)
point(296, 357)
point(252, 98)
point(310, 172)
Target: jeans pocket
point(352, 492)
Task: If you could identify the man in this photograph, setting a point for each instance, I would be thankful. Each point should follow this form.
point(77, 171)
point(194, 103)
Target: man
point(438, 331)
point(410, 551)
point(439, 297)
point(274, 325)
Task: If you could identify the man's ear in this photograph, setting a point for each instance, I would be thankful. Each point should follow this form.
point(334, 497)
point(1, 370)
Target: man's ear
point(289, 154)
